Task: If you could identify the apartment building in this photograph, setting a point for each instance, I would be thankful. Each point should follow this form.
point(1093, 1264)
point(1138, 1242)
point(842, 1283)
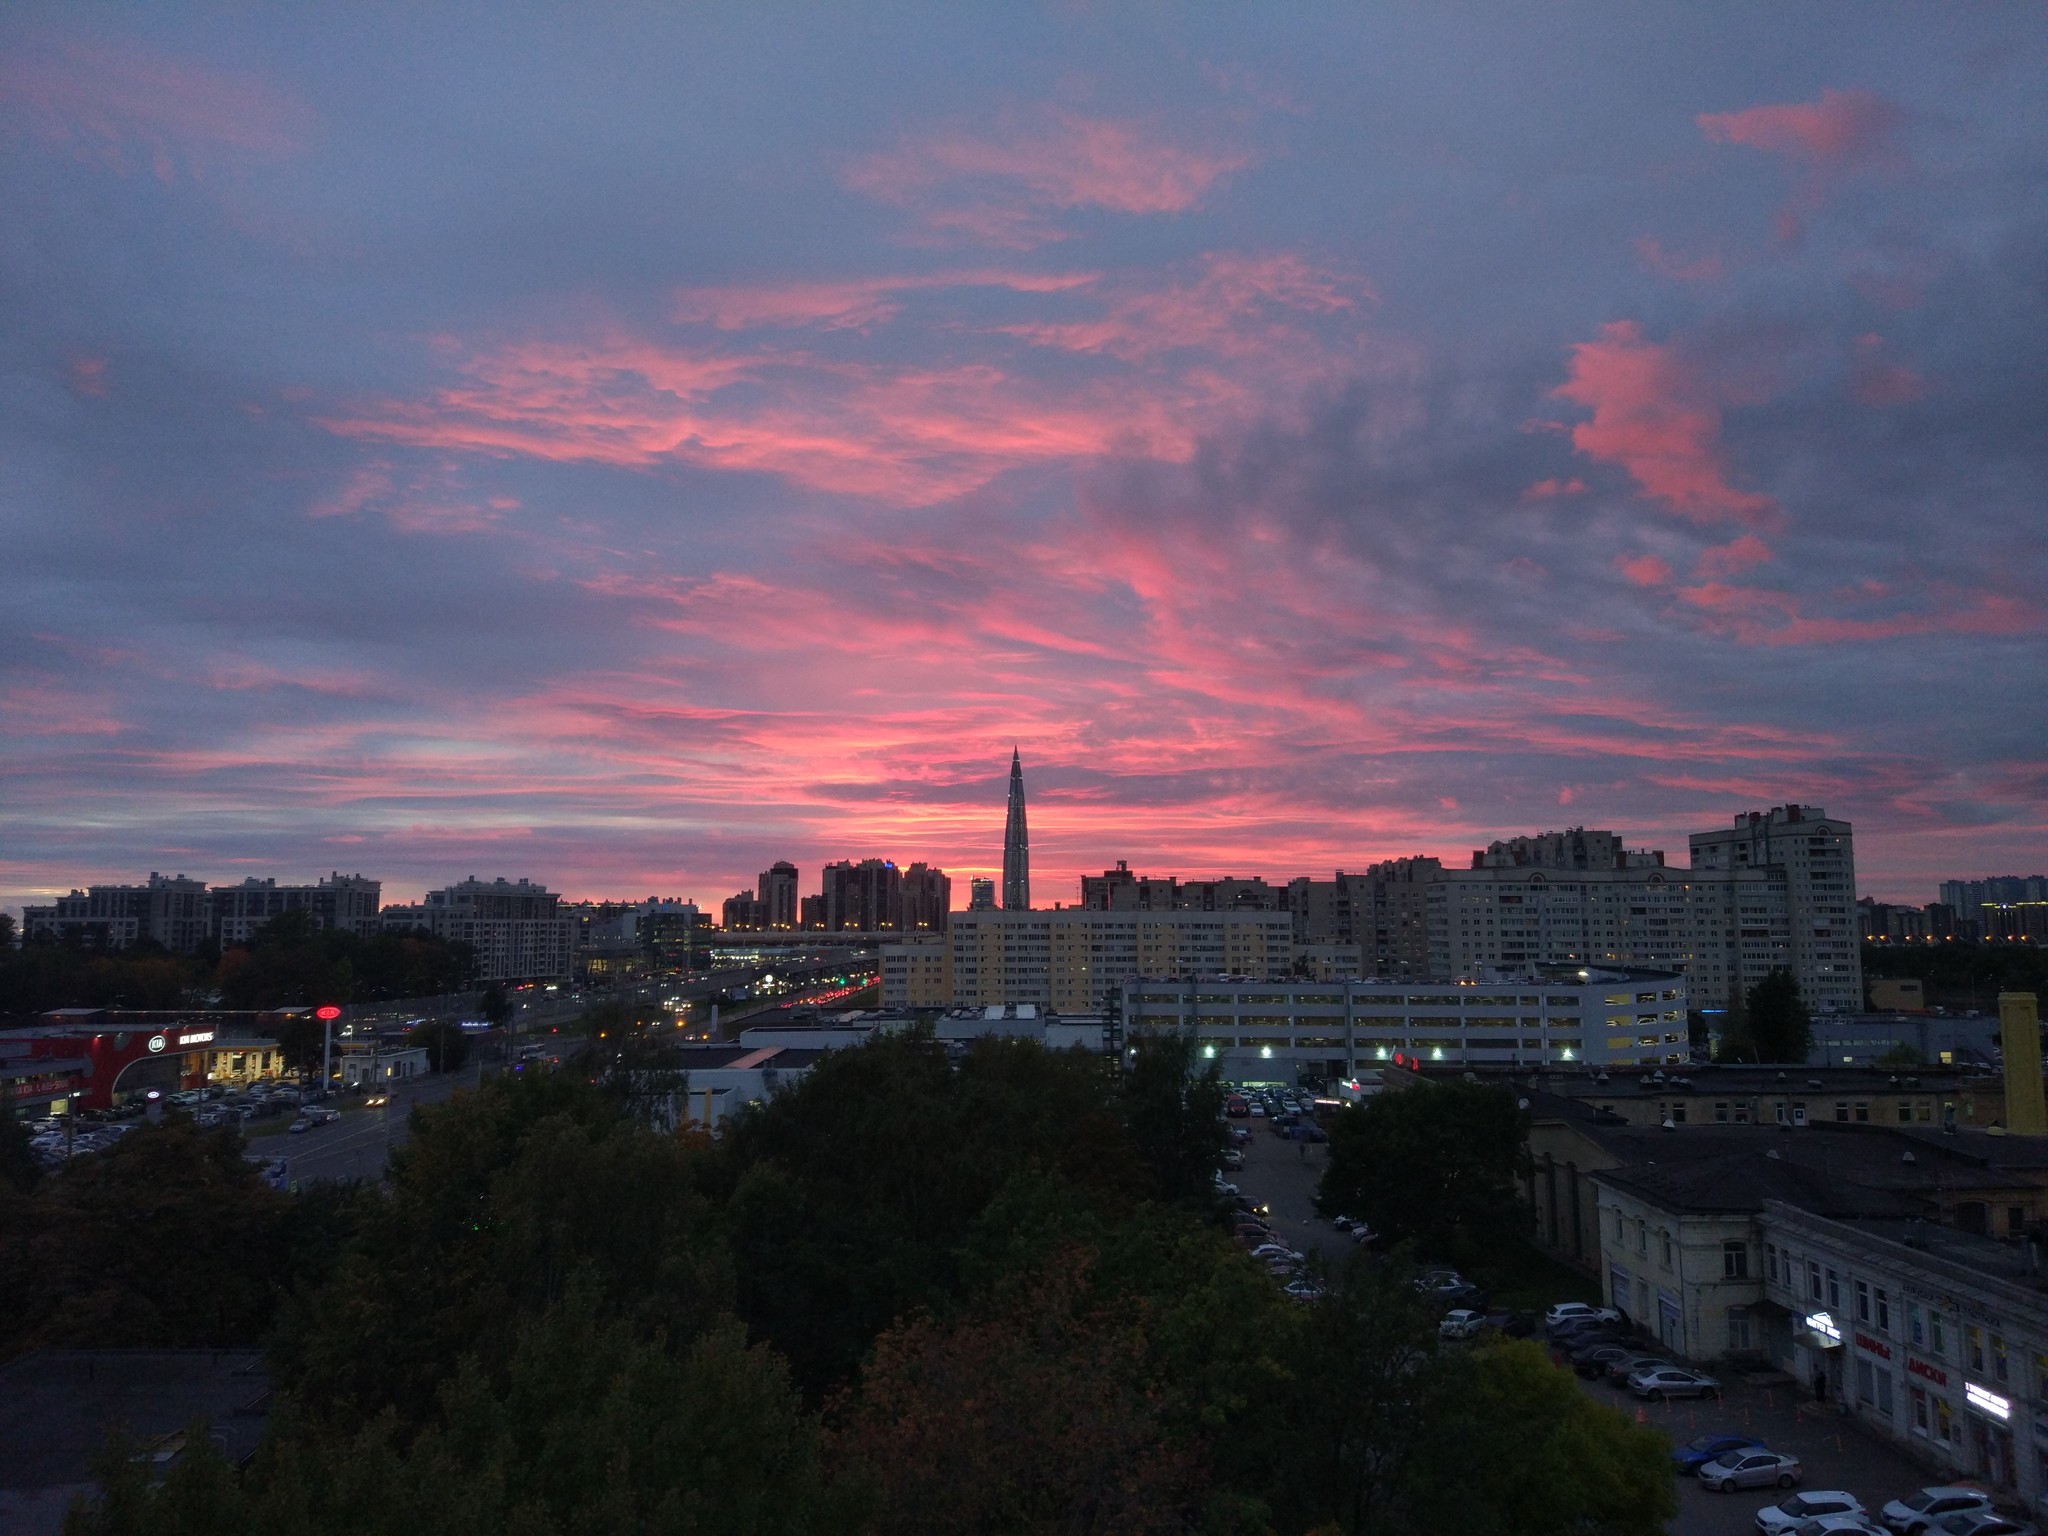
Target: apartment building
point(1775, 890)
point(917, 972)
point(348, 903)
point(1072, 960)
point(516, 927)
point(170, 910)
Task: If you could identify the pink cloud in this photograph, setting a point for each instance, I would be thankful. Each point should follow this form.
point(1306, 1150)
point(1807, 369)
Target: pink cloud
point(1842, 132)
point(1743, 554)
point(1842, 128)
point(1001, 189)
point(1764, 616)
point(127, 108)
point(1644, 570)
point(1161, 361)
point(1550, 490)
point(1658, 417)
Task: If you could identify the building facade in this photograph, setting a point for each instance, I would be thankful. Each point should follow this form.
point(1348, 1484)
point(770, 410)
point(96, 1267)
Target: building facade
point(517, 928)
point(1790, 890)
point(1073, 960)
point(917, 972)
point(348, 903)
point(1935, 1339)
point(170, 910)
point(1337, 1029)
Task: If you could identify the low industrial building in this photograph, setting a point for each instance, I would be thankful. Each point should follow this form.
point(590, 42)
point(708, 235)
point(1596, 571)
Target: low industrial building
point(1581, 1017)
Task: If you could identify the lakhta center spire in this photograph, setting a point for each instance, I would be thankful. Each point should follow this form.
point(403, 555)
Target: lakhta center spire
point(1016, 844)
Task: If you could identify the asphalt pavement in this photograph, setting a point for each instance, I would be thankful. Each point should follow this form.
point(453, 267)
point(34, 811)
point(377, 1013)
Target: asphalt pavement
point(1835, 1452)
point(358, 1145)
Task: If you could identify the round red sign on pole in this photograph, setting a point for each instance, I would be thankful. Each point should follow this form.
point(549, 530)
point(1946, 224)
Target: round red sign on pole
point(329, 1012)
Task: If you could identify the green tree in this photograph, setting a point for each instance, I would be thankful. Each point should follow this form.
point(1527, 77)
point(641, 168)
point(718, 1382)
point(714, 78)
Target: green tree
point(1901, 1055)
point(1173, 1112)
point(167, 1238)
point(446, 1045)
point(495, 1005)
point(1435, 1164)
point(1779, 1027)
point(19, 1170)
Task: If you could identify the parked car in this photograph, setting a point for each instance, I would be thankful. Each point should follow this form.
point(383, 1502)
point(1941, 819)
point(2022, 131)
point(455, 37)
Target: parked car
point(1917, 1511)
point(1984, 1523)
point(1672, 1381)
point(1258, 1111)
point(1575, 1311)
point(1461, 1324)
point(1619, 1371)
point(1701, 1449)
point(1304, 1290)
point(299, 1127)
point(1592, 1361)
point(1276, 1251)
point(1781, 1518)
point(1361, 1233)
point(1516, 1325)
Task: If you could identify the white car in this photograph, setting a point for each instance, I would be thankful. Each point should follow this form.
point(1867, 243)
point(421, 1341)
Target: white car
point(1752, 1467)
point(1781, 1519)
point(1464, 1323)
point(1276, 1251)
point(1917, 1511)
point(1837, 1525)
point(1578, 1312)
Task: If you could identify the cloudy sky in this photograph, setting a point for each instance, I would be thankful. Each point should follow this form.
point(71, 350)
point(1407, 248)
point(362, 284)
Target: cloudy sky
point(623, 446)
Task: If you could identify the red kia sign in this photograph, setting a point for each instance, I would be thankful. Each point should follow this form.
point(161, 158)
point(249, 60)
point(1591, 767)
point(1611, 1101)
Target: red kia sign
point(329, 1013)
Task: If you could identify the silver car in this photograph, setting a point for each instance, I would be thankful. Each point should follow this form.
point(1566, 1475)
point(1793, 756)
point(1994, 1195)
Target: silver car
point(1919, 1510)
point(1752, 1469)
point(1659, 1382)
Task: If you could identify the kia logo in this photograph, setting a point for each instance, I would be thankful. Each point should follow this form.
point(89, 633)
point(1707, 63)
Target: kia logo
point(156, 1042)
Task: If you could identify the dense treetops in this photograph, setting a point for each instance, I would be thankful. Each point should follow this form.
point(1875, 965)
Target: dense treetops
point(913, 1293)
point(289, 961)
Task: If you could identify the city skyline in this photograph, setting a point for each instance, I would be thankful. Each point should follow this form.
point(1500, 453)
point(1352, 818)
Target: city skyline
point(630, 454)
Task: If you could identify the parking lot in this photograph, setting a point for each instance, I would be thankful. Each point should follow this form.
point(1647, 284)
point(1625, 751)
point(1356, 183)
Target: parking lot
point(1834, 1452)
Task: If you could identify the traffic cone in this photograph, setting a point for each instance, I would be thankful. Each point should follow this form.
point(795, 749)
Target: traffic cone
point(1641, 1417)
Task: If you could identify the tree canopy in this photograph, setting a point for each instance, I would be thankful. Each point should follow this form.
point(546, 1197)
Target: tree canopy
point(920, 1290)
point(1434, 1164)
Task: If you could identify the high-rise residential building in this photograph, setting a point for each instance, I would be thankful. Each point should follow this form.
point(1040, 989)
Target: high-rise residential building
point(170, 910)
point(1072, 960)
point(981, 894)
point(863, 898)
point(743, 913)
point(776, 891)
point(517, 928)
point(348, 903)
point(1966, 896)
point(1383, 912)
point(927, 899)
point(917, 972)
point(1016, 844)
point(1789, 882)
point(1118, 890)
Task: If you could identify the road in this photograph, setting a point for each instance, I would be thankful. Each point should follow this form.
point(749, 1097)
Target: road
point(1836, 1453)
point(358, 1144)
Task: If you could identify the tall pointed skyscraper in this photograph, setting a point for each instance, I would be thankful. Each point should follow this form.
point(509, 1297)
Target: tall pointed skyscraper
point(1016, 844)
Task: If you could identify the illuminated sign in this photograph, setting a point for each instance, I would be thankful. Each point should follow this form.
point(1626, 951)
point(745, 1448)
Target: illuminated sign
point(1875, 1346)
point(1986, 1401)
point(156, 1043)
point(328, 1014)
point(1933, 1373)
point(1824, 1325)
point(198, 1037)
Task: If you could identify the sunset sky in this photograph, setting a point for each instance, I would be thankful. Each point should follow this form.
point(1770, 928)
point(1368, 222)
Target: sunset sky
point(624, 446)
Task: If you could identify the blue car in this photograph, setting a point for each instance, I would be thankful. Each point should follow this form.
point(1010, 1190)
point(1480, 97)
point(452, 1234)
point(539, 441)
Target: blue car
point(1694, 1454)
